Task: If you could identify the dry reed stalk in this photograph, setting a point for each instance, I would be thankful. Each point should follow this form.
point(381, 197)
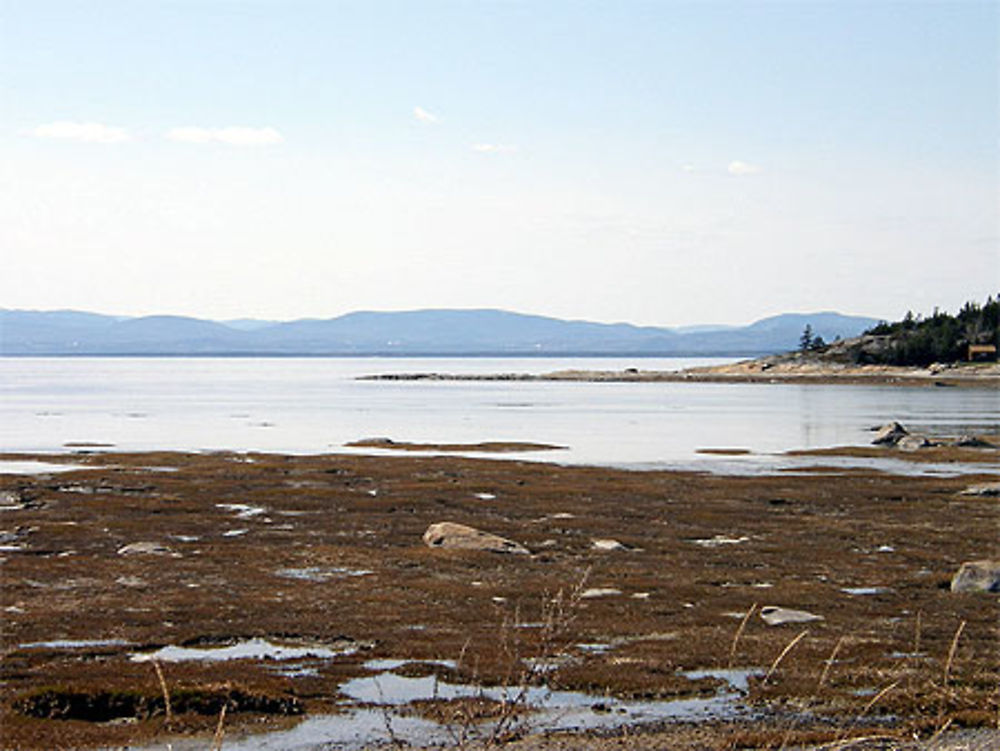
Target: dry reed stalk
point(219, 730)
point(387, 718)
point(461, 655)
point(916, 634)
point(939, 731)
point(166, 693)
point(840, 745)
point(739, 633)
point(829, 662)
point(785, 651)
point(557, 614)
point(951, 652)
point(857, 719)
point(876, 698)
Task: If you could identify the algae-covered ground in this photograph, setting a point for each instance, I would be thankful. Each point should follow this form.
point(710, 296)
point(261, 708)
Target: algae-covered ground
point(106, 565)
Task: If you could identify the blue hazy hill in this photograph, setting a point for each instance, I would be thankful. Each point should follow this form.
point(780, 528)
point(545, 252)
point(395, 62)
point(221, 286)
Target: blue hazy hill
point(419, 332)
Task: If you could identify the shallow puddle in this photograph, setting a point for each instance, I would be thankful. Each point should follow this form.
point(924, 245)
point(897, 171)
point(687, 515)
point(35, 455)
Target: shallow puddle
point(737, 679)
point(316, 574)
point(250, 649)
point(382, 665)
point(862, 591)
point(359, 728)
point(74, 644)
point(31, 467)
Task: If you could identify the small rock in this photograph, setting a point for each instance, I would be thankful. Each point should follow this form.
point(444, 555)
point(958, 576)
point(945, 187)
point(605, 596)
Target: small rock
point(130, 581)
point(775, 616)
point(977, 576)
point(913, 443)
point(719, 540)
point(970, 441)
point(985, 490)
point(10, 499)
point(593, 592)
point(17, 500)
point(14, 536)
point(460, 537)
point(145, 548)
point(890, 434)
point(607, 545)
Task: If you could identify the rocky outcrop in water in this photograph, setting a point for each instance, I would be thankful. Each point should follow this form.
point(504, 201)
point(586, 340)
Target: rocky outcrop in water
point(913, 443)
point(890, 434)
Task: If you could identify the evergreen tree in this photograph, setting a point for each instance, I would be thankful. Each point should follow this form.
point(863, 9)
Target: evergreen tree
point(806, 340)
point(940, 338)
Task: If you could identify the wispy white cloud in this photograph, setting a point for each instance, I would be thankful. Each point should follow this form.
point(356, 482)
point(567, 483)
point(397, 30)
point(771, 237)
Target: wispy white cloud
point(232, 135)
point(688, 168)
point(424, 116)
point(740, 169)
point(68, 130)
point(494, 148)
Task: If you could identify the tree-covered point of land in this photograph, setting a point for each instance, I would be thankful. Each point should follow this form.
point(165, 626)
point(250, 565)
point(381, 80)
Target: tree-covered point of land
point(942, 337)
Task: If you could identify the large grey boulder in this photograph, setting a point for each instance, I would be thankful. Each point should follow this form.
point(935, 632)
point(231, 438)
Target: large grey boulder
point(977, 576)
point(890, 434)
point(913, 443)
point(451, 536)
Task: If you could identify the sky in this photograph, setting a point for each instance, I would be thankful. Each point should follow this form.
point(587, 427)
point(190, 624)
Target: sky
point(662, 163)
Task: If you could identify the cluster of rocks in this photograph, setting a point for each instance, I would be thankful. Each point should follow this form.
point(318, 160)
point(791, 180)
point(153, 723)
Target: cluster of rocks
point(972, 576)
point(894, 434)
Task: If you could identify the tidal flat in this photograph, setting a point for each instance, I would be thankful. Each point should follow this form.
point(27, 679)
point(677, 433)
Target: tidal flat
point(139, 602)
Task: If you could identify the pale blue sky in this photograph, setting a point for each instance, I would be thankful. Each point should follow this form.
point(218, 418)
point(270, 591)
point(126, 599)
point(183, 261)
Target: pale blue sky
point(657, 162)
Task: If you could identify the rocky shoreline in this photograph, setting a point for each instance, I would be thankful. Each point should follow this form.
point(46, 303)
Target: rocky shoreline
point(792, 368)
point(275, 585)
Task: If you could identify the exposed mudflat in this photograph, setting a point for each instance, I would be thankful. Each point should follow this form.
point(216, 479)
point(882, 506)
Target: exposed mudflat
point(492, 447)
point(272, 584)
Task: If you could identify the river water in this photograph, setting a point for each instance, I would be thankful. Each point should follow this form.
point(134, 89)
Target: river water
point(316, 405)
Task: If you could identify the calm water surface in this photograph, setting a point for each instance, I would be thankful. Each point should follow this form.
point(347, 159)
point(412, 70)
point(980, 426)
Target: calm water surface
point(314, 405)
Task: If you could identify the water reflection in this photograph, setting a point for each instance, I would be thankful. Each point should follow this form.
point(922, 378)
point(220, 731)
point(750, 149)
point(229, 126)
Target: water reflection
point(315, 405)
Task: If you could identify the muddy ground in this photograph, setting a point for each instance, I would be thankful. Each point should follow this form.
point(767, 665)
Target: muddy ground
point(325, 552)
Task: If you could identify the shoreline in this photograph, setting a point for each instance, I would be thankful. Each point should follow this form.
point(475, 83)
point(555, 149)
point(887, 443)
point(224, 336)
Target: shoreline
point(765, 371)
point(325, 552)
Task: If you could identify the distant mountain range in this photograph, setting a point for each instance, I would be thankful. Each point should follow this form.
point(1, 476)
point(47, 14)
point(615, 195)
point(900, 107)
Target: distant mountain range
point(420, 332)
